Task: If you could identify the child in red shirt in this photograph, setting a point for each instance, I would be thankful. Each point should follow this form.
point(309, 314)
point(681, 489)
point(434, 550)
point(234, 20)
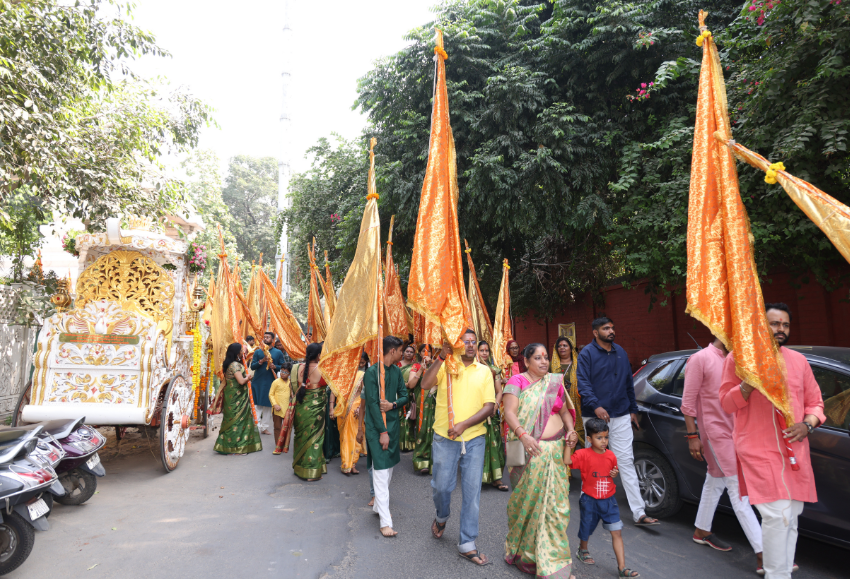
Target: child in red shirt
point(598, 466)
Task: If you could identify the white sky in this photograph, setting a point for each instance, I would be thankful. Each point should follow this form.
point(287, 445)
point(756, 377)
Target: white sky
point(229, 55)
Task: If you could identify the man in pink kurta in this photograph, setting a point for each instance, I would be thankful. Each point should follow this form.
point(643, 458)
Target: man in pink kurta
point(764, 470)
point(713, 443)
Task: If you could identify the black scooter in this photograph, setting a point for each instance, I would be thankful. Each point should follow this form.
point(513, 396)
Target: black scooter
point(79, 464)
point(27, 486)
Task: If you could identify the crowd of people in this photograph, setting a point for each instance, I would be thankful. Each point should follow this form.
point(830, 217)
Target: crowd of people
point(465, 413)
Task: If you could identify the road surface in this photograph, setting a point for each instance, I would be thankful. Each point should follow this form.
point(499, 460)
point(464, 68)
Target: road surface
point(249, 516)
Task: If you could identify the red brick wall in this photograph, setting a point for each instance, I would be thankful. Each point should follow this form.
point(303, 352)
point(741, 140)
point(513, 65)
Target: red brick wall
point(821, 318)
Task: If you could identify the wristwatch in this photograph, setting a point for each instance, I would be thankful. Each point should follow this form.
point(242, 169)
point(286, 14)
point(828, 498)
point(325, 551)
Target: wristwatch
point(395, 405)
point(809, 426)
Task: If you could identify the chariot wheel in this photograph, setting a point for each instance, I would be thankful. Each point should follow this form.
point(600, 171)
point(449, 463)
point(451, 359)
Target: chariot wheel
point(177, 409)
point(23, 400)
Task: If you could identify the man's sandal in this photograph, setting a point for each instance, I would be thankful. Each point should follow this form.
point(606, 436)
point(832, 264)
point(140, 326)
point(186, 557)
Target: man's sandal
point(583, 555)
point(472, 555)
point(628, 573)
point(645, 521)
point(437, 529)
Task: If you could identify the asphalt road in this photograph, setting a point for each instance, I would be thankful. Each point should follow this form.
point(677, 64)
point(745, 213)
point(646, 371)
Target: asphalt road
point(249, 516)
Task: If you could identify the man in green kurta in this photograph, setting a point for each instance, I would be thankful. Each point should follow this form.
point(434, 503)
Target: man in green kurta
point(383, 441)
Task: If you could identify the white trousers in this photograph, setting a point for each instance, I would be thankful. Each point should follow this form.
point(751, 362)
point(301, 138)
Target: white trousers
point(381, 479)
point(264, 417)
point(779, 532)
point(712, 489)
point(620, 438)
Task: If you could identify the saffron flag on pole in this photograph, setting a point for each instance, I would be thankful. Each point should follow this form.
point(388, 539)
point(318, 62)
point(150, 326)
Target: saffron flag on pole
point(829, 214)
point(723, 290)
point(396, 311)
point(435, 286)
point(281, 319)
point(315, 315)
point(358, 316)
point(279, 280)
point(480, 318)
point(330, 292)
point(502, 333)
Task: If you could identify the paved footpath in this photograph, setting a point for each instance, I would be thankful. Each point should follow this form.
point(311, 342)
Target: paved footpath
point(249, 516)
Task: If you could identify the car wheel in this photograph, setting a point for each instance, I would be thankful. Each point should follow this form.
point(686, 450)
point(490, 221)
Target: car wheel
point(659, 487)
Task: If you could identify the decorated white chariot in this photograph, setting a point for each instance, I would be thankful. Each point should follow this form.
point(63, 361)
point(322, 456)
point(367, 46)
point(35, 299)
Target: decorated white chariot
point(126, 353)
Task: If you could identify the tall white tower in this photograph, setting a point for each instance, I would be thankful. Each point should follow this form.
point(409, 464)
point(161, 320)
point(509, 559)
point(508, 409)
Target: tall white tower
point(284, 164)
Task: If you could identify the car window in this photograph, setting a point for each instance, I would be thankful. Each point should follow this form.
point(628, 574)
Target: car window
point(678, 386)
point(835, 388)
point(662, 375)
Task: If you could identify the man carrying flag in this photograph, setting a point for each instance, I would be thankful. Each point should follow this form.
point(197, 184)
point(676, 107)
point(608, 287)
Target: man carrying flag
point(776, 488)
point(383, 439)
point(459, 440)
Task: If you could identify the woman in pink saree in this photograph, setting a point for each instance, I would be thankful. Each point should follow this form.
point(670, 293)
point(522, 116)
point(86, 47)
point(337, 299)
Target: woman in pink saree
point(541, 415)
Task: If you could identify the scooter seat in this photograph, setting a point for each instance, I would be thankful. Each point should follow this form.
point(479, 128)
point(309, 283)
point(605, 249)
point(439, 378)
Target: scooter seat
point(58, 428)
point(13, 440)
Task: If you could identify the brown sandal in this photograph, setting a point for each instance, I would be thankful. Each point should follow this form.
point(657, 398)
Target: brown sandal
point(438, 528)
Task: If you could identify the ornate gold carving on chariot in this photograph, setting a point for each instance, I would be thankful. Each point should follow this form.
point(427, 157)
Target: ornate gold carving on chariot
point(117, 356)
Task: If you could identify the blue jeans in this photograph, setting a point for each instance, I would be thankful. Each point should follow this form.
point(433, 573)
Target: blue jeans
point(593, 510)
point(446, 457)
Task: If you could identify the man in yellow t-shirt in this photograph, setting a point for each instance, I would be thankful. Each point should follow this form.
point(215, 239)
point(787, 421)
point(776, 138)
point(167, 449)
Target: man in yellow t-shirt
point(463, 444)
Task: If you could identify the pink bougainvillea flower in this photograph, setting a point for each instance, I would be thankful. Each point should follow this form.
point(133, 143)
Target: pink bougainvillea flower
point(643, 85)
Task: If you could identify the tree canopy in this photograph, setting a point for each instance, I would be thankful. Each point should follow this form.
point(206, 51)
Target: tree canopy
point(81, 135)
point(573, 123)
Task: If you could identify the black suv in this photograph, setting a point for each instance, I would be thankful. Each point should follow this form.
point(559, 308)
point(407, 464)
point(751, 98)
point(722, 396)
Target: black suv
point(668, 475)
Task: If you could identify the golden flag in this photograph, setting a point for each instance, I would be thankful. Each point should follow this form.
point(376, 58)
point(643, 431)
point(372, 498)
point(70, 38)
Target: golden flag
point(315, 314)
point(357, 319)
point(480, 318)
point(281, 319)
point(723, 290)
point(396, 324)
point(435, 287)
point(829, 214)
point(330, 292)
point(253, 299)
point(502, 333)
point(220, 329)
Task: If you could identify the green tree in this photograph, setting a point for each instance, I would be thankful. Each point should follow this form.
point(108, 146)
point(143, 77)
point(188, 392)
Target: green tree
point(250, 193)
point(573, 122)
point(203, 190)
point(327, 204)
point(85, 141)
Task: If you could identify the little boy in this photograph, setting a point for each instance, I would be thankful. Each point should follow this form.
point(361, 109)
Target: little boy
point(598, 466)
point(279, 396)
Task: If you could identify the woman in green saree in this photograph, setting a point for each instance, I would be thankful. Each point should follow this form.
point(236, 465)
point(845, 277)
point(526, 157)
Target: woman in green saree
point(308, 459)
point(494, 450)
point(426, 407)
point(540, 415)
point(238, 433)
point(565, 361)
point(411, 372)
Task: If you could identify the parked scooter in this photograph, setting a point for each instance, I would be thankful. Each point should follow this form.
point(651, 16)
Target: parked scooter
point(80, 464)
point(26, 484)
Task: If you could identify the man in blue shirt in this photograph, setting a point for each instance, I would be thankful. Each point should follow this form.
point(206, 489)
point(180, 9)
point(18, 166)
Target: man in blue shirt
point(261, 384)
point(608, 392)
